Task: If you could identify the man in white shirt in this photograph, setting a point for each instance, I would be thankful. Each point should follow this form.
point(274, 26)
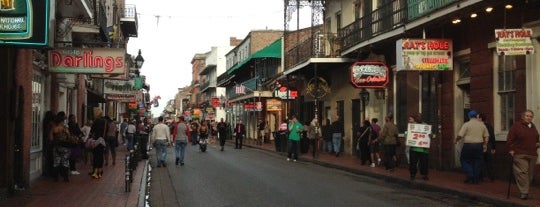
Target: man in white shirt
point(161, 136)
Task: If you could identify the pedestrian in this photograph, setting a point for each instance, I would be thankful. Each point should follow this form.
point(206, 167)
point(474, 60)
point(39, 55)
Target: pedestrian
point(194, 132)
point(98, 131)
point(295, 130)
point(76, 150)
point(281, 140)
point(130, 134)
point(474, 135)
point(180, 140)
point(418, 157)
point(260, 129)
point(144, 129)
point(240, 130)
point(123, 128)
point(60, 138)
point(327, 136)
point(314, 134)
point(86, 135)
point(161, 139)
point(204, 130)
point(111, 141)
point(523, 143)
point(222, 129)
point(375, 146)
point(487, 164)
point(388, 137)
point(337, 135)
point(48, 157)
point(213, 131)
point(363, 137)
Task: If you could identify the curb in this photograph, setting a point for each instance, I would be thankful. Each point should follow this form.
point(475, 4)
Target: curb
point(143, 192)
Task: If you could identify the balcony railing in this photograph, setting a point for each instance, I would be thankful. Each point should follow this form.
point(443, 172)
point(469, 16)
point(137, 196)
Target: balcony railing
point(320, 45)
point(129, 20)
point(208, 84)
point(387, 18)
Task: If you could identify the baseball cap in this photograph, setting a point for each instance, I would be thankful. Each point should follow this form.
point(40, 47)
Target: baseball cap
point(472, 113)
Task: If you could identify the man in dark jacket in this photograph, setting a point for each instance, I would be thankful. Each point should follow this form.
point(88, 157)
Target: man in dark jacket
point(240, 131)
point(222, 132)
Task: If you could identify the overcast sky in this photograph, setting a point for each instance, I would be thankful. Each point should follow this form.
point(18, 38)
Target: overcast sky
point(171, 32)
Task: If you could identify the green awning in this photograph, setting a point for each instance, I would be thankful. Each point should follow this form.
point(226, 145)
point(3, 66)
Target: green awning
point(271, 51)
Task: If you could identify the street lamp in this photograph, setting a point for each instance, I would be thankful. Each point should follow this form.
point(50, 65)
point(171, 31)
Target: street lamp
point(139, 61)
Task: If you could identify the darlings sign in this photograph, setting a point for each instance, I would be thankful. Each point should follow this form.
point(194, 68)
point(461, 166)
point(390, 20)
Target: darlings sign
point(87, 60)
point(369, 75)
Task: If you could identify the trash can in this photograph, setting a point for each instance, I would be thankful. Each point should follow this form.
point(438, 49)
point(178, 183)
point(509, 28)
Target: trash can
point(277, 141)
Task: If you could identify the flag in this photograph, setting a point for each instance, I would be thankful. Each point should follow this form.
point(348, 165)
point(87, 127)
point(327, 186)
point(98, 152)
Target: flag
point(240, 89)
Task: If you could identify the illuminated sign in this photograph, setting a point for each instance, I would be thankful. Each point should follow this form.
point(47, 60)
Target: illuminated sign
point(24, 22)
point(514, 41)
point(424, 54)
point(273, 105)
point(369, 75)
point(87, 60)
point(284, 93)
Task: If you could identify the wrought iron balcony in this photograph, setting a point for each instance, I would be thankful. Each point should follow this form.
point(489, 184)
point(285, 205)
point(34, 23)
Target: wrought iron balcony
point(319, 45)
point(128, 21)
point(387, 18)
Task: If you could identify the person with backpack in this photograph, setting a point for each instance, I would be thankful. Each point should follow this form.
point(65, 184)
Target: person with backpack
point(374, 144)
point(362, 144)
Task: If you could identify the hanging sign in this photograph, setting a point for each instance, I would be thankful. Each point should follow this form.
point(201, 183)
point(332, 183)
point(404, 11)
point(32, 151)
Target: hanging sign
point(87, 60)
point(215, 102)
point(369, 75)
point(514, 41)
point(273, 105)
point(424, 54)
point(418, 135)
point(284, 93)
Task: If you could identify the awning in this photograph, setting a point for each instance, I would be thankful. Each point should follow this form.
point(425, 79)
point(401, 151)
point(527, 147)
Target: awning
point(271, 51)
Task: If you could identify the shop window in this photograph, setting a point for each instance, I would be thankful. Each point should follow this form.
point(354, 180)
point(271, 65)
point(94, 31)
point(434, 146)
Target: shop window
point(37, 96)
point(506, 90)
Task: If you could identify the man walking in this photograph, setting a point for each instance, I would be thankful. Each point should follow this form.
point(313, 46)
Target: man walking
point(180, 140)
point(161, 136)
point(388, 137)
point(240, 131)
point(474, 134)
point(222, 133)
point(523, 142)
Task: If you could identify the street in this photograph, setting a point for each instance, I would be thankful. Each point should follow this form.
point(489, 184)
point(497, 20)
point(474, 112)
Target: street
point(251, 177)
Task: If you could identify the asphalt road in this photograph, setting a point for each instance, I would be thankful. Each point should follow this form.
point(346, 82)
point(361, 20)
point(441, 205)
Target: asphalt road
point(251, 177)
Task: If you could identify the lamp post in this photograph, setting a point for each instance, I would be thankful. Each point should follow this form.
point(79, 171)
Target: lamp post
point(364, 96)
point(139, 61)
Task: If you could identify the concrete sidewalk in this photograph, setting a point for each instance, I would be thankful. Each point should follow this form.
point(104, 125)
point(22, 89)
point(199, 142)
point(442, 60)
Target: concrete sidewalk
point(82, 190)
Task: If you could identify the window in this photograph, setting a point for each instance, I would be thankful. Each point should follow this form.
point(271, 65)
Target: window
point(506, 90)
point(37, 96)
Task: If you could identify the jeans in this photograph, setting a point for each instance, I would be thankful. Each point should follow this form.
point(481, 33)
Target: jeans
point(389, 153)
point(194, 138)
point(336, 140)
point(293, 149)
point(180, 149)
point(327, 145)
point(471, 161)
point(130, 141)
point(161, 151)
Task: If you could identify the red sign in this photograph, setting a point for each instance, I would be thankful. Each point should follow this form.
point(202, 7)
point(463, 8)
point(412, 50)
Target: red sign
point(215, 102)
point(369, 75)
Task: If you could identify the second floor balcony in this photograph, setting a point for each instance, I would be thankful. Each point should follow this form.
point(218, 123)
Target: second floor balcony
point(318, 45)
point(128, 21)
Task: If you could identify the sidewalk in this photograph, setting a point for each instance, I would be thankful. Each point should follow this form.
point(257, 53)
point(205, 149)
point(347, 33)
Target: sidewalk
point(82, 190)
point(443, 181)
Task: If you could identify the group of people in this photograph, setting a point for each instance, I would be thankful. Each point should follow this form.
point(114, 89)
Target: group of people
point(67, 143)
point(182, 132)
point(523, 141)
